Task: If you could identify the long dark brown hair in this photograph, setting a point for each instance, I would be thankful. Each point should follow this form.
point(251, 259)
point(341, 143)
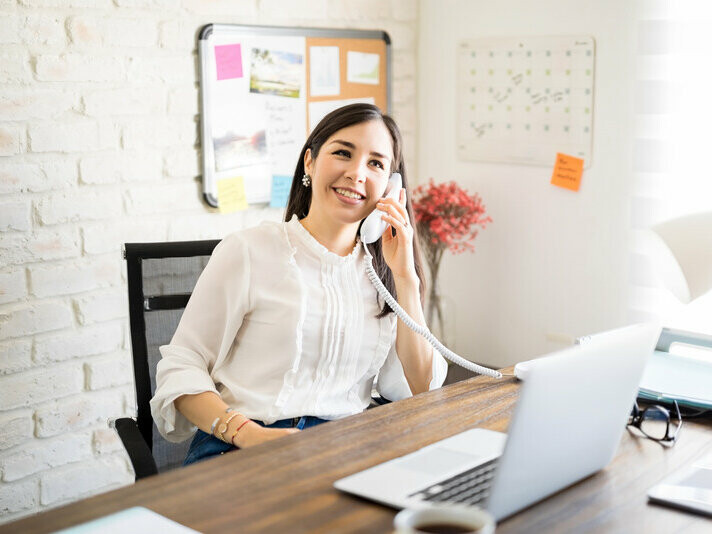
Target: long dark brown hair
point(300, 197)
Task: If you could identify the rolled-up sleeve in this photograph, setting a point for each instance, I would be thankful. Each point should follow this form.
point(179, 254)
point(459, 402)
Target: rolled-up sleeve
point(391, 382)
point(204, 335)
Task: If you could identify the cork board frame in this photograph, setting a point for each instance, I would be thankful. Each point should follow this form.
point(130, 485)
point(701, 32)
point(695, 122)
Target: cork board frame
point(213, 98)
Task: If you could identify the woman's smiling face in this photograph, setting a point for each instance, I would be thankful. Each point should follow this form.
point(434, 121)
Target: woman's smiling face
point(350, 173)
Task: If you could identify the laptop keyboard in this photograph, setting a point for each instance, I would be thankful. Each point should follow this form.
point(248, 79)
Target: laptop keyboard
point(469, 487)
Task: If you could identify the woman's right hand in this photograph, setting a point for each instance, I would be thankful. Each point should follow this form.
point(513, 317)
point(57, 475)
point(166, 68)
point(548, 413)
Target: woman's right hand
point(254, 434)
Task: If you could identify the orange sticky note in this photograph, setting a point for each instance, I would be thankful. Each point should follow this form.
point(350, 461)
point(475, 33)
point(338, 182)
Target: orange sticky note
point(567, 172)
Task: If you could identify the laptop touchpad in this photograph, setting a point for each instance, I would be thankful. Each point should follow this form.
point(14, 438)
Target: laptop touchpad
point(436, 461)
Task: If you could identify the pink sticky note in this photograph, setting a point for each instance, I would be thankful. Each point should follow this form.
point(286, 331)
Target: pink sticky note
point(228, 59)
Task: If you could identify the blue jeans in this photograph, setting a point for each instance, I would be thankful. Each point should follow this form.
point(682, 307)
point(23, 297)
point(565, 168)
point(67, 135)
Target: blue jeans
point(205, 445)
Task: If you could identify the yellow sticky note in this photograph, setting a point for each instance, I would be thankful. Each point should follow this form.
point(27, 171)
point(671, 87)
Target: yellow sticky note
point(231, 195)
point(567, 172)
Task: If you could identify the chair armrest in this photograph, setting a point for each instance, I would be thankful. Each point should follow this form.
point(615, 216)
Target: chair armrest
point(139, 453)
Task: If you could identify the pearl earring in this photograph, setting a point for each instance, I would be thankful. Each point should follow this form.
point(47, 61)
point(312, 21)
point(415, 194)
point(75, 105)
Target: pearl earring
point(306, 180)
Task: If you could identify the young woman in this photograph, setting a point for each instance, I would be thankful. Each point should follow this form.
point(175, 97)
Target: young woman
point(284, 330)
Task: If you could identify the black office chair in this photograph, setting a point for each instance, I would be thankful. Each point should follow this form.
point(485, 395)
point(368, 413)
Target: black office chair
point(161, 277)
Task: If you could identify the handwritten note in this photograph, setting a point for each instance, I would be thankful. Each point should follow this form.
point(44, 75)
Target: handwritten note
point(280, 191)
point(286, 119)
point(228, 61)
point(231, 195)
point(567, 172)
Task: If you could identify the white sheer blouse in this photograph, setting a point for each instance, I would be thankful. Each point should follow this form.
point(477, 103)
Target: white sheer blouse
point(281, 327)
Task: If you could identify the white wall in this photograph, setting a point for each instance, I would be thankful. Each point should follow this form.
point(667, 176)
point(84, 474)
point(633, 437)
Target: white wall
point(98, 146)
point(672, 114)
point(554, 263)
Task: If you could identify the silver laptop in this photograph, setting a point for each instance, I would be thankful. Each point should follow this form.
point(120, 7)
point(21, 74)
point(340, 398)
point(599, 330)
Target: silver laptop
point(572, 409)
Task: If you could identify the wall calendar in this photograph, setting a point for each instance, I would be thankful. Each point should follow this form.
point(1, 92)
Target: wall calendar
point(523, 100)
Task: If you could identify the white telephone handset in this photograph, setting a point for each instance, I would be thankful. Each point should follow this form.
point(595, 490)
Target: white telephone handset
point(373, 227)
point(371, 230)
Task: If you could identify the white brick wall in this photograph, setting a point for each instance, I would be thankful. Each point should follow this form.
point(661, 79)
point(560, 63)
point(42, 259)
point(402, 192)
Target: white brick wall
point(75, 206)
point(87, 341)
point(11, 139)
point(38, 245)
point(74, 67)
point(78, 412)
point(83, 478)
point(33, 318)
point(28, 388)
point(98, 146)
point(73, 277)
point(15, 215)
point(15, 356)
point(21, 496)
point(45, 454)
point(37, 177)
point(19, 105)
point(15, 65)
point(101, 306)
point(13, 286)
point(17, 428)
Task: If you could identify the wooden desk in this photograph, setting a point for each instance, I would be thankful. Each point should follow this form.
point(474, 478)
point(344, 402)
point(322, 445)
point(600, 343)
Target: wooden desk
point(285, 486)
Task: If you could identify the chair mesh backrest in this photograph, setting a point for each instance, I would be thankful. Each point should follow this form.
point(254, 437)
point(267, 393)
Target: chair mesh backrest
point(160, 325)
point(161, 277)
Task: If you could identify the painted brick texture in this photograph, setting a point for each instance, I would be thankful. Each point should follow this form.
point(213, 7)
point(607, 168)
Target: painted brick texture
point(99, 145)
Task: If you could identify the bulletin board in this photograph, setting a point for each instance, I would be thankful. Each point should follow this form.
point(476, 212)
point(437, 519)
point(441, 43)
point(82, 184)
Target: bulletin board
point(264, 88)
point(525, 99)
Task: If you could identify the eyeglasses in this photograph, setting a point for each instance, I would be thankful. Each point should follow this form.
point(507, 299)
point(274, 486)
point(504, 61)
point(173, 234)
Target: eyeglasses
point(656, 422)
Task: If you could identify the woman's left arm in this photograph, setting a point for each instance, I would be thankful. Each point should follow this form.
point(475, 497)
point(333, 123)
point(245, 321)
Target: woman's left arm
point(414, 351)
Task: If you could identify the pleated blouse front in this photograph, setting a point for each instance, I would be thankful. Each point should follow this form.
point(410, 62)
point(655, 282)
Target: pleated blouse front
point(341, 337)
point(281, 327)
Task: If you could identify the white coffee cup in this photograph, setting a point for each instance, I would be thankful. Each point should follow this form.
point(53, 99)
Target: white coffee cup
point(475, 519)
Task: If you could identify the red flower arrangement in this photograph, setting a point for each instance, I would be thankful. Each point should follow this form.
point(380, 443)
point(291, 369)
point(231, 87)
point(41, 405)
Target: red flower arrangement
point(447, 218)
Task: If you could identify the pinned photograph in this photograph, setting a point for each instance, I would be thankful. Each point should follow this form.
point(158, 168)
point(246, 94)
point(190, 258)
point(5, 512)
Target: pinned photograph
point(241, 141)
point(276, 73)
point(362, 68)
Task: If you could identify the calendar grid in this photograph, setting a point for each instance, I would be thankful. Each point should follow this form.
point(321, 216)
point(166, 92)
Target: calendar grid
point(522, 100)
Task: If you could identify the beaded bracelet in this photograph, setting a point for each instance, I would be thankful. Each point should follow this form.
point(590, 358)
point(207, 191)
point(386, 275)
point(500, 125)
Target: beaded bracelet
point(232, 439)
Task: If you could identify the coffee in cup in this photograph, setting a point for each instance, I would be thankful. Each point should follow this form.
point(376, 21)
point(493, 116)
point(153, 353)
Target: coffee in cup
point(444, 519)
